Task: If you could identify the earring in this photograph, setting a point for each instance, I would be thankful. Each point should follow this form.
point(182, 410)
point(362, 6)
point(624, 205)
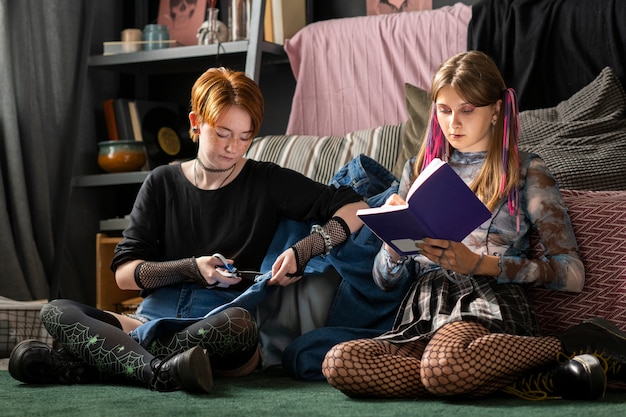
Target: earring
point(494, 121)
point(194, 129)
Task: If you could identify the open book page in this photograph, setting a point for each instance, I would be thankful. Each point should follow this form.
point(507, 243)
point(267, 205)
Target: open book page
point(434, 165)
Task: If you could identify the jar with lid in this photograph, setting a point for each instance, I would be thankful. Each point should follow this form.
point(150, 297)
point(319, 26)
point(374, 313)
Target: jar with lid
point(155, 36)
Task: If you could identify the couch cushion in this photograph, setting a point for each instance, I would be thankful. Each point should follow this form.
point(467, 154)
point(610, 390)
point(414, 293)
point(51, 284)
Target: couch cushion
point(599, 222)
point(418, 107)
point(582, 139)
point(320, 157)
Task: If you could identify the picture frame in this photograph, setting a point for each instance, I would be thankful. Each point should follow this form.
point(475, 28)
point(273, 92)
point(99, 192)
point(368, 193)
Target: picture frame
point(376, 7)
point(183, 18)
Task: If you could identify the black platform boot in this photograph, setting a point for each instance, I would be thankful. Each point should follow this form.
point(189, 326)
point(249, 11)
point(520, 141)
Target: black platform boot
point(189, 371)
point(34, 362)
point(599, 337)
point(580, 378)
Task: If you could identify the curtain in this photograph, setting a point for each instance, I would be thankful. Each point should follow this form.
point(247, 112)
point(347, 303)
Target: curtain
point(44, 117)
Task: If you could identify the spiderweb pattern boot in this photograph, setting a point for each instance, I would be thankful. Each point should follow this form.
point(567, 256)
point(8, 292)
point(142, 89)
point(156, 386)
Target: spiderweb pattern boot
point(599, 337)
point(580, 378)
point(189, 371)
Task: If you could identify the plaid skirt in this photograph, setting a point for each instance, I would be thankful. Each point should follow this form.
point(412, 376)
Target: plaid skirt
point(436, 299)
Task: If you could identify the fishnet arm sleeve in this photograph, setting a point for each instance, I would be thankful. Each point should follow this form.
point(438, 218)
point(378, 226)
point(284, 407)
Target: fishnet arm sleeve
point(161, 274)
point(321, 241)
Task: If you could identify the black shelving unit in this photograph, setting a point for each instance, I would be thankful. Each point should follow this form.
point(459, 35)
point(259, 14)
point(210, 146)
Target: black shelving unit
point(101, 180)
point(167, 60)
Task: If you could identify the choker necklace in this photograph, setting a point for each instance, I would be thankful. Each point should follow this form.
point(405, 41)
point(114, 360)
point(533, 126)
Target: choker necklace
point(195, 170)
point(213, 169)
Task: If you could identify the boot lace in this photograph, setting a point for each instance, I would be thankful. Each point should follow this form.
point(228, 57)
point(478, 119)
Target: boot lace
point(535, 387)
point(67, 368)
point(162, 380)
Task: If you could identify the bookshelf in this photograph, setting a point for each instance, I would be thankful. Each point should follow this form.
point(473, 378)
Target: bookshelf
point(182, 58)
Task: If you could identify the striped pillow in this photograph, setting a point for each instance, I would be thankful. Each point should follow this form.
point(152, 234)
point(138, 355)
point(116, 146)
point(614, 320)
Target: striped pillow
point(320, 157)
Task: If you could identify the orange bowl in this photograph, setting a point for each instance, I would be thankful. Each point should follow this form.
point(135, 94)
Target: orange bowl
point(121, 155)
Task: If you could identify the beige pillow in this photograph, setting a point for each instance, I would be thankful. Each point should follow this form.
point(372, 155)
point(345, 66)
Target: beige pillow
point(320, 157)
point(418, 107)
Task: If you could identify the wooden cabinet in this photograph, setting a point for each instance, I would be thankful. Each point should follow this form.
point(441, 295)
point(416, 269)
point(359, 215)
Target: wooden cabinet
point(108, 295)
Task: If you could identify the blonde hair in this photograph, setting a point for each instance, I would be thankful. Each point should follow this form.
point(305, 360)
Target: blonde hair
point(218, 89)
point(477, 79)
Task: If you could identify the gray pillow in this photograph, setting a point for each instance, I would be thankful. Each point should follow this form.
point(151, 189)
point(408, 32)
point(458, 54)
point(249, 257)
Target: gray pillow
point(582, 139)
point(418, 108)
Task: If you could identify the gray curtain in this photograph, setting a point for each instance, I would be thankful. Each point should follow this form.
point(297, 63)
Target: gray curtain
point(44, 118)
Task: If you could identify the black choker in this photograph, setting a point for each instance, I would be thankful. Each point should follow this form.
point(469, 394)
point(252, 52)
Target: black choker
point(214, 169)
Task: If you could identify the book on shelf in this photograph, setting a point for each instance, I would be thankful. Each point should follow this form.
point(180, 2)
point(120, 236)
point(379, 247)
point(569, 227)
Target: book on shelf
point(288, 17)
point(268, 28)
point(438, 205)
point(122, 118)
point(109, 119)
point(135, 121)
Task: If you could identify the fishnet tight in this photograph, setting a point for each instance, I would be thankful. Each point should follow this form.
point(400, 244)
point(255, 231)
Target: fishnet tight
point(462, 359)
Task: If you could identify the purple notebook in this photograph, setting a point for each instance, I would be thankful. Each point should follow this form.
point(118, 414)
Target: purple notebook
point(439, 205)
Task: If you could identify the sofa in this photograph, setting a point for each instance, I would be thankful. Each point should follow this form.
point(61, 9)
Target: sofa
point(582, 138)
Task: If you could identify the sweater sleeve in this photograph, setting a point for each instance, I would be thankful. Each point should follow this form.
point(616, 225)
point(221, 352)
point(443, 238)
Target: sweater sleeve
point(560, 266)
point(300, 198)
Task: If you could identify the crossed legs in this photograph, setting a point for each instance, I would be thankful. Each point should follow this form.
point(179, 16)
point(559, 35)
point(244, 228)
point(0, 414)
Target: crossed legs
point(97, 338)
point(462, 358)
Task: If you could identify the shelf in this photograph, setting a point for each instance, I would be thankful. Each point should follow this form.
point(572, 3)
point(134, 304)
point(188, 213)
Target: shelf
point(199, 57)
point(99, 180)
point(159, 58)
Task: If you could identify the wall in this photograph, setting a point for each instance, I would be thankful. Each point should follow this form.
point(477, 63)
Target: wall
point(332, 9)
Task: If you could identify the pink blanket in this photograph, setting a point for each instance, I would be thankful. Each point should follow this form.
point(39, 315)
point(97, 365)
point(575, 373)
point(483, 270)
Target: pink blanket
point(351, 72)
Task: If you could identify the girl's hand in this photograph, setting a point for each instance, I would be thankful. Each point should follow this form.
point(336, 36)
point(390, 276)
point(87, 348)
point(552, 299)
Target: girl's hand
point(209, 265)
point(394, 200)
point(450, 255)
point(283, 269)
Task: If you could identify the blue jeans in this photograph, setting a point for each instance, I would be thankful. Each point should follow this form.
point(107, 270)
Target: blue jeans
point(193, 304)
point(360, 308)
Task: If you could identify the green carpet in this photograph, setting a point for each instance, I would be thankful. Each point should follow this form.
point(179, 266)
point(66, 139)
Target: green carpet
point(266, 394)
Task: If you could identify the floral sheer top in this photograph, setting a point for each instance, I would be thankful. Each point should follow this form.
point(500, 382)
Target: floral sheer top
point(554, 264)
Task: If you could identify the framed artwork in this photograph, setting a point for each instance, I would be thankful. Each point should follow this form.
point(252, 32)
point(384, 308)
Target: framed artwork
point(375, 7)
point(183, 18)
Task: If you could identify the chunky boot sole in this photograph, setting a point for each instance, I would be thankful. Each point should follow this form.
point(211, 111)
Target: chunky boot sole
point(193, 370)
point(608, 326)
point(34, 362)
point(19, 368)
point(599, 337)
